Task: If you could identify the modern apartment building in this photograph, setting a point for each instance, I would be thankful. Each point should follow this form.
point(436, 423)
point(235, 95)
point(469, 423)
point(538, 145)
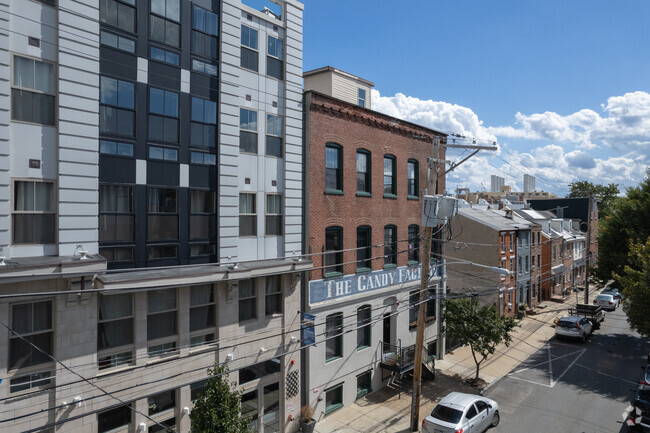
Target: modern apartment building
point(151, 220)
point(496, 182)
point(529, 183)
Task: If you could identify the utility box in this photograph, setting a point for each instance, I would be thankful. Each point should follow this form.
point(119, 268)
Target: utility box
point(437, 209)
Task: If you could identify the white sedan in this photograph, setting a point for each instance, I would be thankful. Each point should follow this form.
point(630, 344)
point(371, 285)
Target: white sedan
point(607, 302)
point(468, 413)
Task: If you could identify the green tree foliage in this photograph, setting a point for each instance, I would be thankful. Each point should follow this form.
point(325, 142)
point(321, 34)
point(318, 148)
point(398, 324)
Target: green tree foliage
point(218, 409)
point(478, 326)
point(635, 281)
point(607, 194)
point(626, 223)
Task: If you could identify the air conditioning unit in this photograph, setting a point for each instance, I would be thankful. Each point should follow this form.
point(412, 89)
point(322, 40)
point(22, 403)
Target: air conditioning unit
point(437, 209)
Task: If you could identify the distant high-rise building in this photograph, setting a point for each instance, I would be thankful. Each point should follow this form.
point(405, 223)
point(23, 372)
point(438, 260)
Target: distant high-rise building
point(529, 183)
point(496, 182)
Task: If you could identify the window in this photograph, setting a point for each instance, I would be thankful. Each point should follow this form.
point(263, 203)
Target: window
point(33, 322)
point(35, 380)
point(116, 41)
point(114, 418)
point(503, 242)
point(333, 398)
point(390, 245)
point(118, 13)
point(333, 257)
point(471, 412)
point(247, 130)
point(273, 135)
point(247, 215)
point(414, 306)
point(163, 115)
point(204, 119)
point(203, 214)
point(162, 220)
point(362, 97)
point(274, 65)
point(527, 265)
point(247, 300)
point(116, 217)
point(164, 426)
point(115, 148)
point(334, 336)
point(333, 168)
point(196, 389)
point(412, 178)
point(273, 303)
point(249, 55)
point(204, 68)
point(115, 330)
point(274, 215)
point(32, 93)
point(162, 26)
point(430, 312)
point(162, 252)
point(364, 248)
point(249, 408)
point(202, 315)
point(259, 370)
point(197, 250)
point(164, 55)
point(205, 29)
point(364, 384)
point(203, 158)
point(363, 172)
point(363, 327)
point(116, 107)
point(414, 243)
point(117, 254)
point(161, 402)
point(34, 216)
point(163, 153)
point(520, 268)
point(161, 321)
point(271, 417)
point(532, 262)
point(390, 184)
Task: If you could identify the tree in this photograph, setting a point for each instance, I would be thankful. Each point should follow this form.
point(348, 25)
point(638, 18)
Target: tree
point(218, 408)
point(635, 281)
point(478, 326)
point(607, 194)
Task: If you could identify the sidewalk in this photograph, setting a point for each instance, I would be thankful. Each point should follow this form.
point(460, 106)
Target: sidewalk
point(387, 411)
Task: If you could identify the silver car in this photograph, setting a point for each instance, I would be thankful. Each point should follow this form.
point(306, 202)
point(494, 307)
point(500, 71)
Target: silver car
point(468, 413)
point(607, 302)
point(573, 327)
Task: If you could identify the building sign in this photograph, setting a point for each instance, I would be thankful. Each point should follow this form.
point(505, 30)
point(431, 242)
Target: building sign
point(348, 285)
point(308, 334)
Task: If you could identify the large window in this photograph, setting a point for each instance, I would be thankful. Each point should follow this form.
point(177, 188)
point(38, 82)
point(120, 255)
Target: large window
point(364, 248)
point(247, 300)
point(247, 130)
point(161, 402)
point(202, 315)
point(414, 243)
point(333, 168)
point(334, 336)
point(203, 125)
point(390, 245)
point(333, 398)
point(32, 91)
point(247, 215)
point(161, 321)
point(273, 215)
point(164, 25)
point(273, 135)
point(390, 178)
point(116, 41)
point(249, 53)
point(412, 178)
point(333, 257)
point(163, 115)
point(113, 419)
point(116, 107)
point(32, 325)
point(204, 67)
point(118, 13)
point(363, 327)
point(116, 218)
point(162, 221)
point(259, 370)
point(203, 214)
point(274, 64)
point(273, 301)
point(364, 383)
point(34, 215)
point(166, 56)
point(115, 330)
point(363, 172)
point(205, 29)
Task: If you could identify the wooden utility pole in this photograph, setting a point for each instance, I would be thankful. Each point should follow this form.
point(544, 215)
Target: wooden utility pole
point(591, 195)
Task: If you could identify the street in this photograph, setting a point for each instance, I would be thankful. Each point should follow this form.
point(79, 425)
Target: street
point(567, 386)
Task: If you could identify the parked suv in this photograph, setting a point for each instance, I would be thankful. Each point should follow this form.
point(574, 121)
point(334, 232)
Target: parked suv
point(573, 327)
point(639, 419)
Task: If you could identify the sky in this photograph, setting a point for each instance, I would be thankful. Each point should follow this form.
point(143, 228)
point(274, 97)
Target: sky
point(562, 86)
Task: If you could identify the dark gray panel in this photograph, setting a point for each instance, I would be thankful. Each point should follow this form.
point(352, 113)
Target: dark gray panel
point(114, 169)
point(162, 173)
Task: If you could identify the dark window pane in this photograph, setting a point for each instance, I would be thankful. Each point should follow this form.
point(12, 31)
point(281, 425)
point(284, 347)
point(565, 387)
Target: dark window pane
point(274, 146)
point(114, 418)
point(249, 59)
point(161, 325)
point(162, 227)
point(115, 333)
point(274, 68)
point(202, 317)
point(248, 141)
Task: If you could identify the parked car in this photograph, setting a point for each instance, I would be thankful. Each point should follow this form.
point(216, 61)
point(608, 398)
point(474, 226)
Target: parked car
point(639, 419)
point(614, 292)
point(644, 380)
point(462, 412)
point(608, 302)
point(573, 327)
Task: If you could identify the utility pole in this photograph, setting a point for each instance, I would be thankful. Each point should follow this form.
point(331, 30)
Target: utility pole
point(591, 195)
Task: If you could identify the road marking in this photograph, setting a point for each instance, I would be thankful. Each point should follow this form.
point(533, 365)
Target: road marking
point(550, 365)
point(551, 358)
point(567, 369)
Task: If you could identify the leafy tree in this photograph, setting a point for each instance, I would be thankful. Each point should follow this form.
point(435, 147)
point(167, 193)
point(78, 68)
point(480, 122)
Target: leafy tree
point(607, 194)
point(626, 223)
point(479, 326)
point(218, 408)
point(635, 281)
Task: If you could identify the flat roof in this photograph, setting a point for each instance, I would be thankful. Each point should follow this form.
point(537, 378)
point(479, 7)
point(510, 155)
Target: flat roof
point(337, 71)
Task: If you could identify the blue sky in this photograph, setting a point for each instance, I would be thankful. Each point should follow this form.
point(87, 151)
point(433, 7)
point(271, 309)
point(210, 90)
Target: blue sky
point(562, 86)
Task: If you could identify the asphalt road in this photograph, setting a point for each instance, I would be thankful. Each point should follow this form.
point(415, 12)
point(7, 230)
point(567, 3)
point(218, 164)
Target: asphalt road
point(572, 387)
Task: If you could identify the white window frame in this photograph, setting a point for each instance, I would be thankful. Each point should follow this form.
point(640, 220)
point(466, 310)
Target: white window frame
point(34, 90)
point(15, 212)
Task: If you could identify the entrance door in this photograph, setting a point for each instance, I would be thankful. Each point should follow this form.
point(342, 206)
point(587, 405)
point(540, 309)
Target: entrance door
point(387, 334)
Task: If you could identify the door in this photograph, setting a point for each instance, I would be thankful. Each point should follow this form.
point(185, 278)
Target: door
point(387, 332)
point(484, 416)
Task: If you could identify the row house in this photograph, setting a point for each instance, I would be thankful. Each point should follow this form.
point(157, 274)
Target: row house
point(151, 224)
